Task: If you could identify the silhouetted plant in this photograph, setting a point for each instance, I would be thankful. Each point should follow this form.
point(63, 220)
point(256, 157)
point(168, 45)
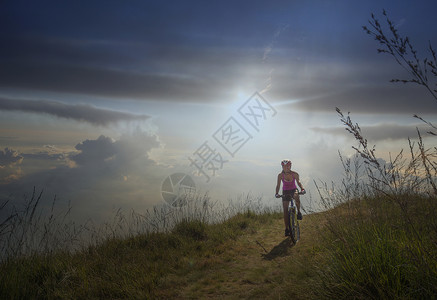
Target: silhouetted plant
point(401, 49)
point(422, 71)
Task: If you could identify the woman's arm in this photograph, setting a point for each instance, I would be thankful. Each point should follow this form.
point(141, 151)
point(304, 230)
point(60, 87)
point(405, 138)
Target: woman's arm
point(278, 184)
point(298, 182)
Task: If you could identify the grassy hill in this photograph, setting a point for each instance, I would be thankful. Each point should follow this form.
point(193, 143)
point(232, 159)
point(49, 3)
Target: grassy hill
point(366, 248)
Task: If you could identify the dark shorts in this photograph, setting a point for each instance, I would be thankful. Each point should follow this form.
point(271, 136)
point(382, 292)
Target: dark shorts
point(288, 194)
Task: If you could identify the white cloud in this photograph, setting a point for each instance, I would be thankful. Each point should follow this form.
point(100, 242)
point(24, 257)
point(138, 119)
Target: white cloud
point(107, 174)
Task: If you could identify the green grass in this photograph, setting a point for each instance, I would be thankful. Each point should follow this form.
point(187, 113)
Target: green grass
point(379, 251)
point(364, 249)
point(124, 268)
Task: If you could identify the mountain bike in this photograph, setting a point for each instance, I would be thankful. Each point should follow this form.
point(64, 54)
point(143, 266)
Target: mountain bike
point(293, 222)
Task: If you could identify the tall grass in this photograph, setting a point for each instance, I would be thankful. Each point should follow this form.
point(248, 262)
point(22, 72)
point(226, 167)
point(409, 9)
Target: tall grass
point(38, 227)
point(135, 266)
point(35, 227)
point(375, 252)
point(383, 231)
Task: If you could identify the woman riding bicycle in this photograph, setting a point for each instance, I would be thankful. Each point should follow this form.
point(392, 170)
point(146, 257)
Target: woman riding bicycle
point(289, 190)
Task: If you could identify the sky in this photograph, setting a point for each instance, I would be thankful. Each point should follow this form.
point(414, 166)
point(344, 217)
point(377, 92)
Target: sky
point(102, 102)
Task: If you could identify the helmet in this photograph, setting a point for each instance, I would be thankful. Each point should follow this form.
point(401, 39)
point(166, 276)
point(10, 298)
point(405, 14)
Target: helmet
point(286, 162)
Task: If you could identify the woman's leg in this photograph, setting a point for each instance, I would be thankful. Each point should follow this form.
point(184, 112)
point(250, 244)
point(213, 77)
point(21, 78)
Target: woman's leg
point(285, 208)
point(297, 199)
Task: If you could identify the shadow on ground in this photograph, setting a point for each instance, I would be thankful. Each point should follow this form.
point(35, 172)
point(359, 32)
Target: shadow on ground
point(279, 250)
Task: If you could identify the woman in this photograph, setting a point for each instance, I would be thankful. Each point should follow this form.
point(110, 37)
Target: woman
point(289, 190)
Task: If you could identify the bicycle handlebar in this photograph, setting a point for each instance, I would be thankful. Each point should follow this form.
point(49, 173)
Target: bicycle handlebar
point(302, 192)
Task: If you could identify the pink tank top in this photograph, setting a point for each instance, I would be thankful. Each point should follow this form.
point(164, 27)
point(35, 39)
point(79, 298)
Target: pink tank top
point(288, 185)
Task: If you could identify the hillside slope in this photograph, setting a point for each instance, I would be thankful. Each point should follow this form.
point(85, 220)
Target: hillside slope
point(366, 248)
point(244, 257)
point(259, 264)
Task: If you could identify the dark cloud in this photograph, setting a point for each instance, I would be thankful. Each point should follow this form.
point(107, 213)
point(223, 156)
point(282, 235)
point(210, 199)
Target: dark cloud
point(374, 100)
point(8, 138)
point(201, 74)
point(79, 112)
point(358, 88)
point(106, 82)
point(153, 72)
point(94, 151)
point(57, 50)
point(162, 58)
point(380, 132)
point(9, 165)
point(190, 52)
point(9, 157)
point(50, 153)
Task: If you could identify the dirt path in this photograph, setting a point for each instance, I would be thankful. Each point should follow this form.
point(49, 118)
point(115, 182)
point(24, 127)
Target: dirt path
point(262, 264)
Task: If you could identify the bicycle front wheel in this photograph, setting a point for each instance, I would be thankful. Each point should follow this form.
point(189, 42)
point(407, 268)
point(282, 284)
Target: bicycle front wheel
point(295, 229)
